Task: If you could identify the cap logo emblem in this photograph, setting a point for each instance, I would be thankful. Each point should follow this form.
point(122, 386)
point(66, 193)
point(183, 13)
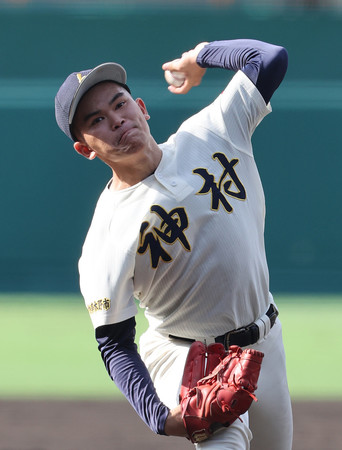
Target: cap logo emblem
point(80, 78)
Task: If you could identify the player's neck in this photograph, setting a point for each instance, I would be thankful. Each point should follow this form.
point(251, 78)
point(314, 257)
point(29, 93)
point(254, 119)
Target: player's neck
point(125, 176)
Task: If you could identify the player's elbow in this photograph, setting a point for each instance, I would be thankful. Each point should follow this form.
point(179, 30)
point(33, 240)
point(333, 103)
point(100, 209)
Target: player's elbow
point(280, 61)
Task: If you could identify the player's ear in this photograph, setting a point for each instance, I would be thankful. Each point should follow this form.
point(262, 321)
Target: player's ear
point(85, 151)
point(142, 107)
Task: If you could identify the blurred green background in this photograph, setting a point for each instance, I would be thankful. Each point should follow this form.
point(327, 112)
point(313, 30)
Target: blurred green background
point(49, 349)
point(48, 192)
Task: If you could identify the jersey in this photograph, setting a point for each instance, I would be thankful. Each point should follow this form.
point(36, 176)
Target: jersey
point(157, 241)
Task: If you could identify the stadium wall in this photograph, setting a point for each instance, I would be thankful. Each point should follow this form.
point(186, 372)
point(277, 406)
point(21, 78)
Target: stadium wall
point(48, 192)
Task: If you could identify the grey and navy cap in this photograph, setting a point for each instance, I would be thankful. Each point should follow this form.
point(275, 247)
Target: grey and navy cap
point(77, 84)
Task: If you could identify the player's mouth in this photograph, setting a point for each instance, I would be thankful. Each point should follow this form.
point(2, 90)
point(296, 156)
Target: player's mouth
point(124, 135)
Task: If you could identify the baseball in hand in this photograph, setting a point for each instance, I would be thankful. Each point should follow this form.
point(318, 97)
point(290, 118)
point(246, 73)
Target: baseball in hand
point(174, 78)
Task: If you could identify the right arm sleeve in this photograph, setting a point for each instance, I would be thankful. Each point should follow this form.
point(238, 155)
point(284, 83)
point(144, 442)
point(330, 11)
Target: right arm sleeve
point(265, 64)
point(127, 370)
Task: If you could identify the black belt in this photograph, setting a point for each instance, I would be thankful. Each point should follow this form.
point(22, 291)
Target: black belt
point(243, 336)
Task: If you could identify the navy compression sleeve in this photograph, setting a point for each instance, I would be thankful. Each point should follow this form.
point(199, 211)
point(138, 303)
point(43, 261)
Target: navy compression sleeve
point(264, 64)
point(127, 370)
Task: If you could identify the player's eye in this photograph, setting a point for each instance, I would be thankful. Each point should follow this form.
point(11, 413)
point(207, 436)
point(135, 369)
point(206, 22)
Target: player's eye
point(96, 120)
point(120, 104)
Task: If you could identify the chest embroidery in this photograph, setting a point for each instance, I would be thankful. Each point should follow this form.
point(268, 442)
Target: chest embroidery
point(172, 224)
point(228, 185)
point(171, 230)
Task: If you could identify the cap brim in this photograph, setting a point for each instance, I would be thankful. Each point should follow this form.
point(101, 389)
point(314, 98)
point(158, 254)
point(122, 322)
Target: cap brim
point(103, 72)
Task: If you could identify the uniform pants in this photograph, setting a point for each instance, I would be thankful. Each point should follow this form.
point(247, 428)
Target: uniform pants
point(267, 425)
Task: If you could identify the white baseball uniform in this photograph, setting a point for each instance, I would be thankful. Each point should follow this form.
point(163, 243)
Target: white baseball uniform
point(223, 192)
point(188, 243)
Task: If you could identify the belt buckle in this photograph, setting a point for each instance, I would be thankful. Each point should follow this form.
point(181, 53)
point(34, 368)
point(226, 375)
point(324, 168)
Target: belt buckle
point(226, 339)
point(228, 334)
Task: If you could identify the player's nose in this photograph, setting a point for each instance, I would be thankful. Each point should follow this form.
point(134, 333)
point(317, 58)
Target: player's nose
point(116, 121)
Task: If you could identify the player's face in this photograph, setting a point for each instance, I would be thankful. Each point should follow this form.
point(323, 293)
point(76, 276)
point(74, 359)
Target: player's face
point(111, 125)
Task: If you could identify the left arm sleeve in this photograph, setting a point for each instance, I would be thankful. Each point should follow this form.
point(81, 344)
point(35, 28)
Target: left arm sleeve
point(127, 370)
point(264, 64)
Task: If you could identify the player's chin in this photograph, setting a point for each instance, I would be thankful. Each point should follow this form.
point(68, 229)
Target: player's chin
point(131, 148)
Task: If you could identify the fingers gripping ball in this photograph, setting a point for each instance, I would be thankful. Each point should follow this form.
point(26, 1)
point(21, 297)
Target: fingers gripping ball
point(218, 399)
point(174, 78)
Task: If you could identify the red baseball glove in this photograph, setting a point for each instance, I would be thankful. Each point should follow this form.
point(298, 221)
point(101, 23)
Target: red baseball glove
point(210, 402)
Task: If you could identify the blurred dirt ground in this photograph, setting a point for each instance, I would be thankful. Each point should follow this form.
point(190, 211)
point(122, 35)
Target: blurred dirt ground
point(97, 425)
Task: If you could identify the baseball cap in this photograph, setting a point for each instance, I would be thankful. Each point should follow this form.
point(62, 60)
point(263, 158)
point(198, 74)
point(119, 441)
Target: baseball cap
point(77, 84)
